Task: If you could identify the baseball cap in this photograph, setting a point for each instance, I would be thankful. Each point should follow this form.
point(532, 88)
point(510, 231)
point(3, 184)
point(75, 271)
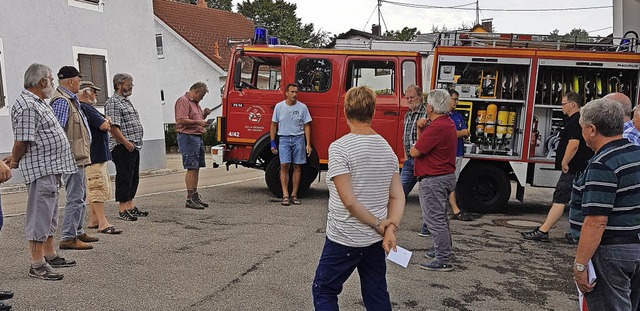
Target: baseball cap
point(88, 84)
point(67, 72)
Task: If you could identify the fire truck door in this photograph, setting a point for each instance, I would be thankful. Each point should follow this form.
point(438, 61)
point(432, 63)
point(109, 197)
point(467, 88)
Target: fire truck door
point(380, 74)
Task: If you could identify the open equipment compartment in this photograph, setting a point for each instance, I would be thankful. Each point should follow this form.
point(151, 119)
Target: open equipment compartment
point(493, 94)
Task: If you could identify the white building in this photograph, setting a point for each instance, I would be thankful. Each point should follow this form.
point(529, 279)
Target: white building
point(100, 38)
point(191, 46)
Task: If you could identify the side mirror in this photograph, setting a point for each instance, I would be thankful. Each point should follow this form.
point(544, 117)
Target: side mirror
point(237, 74)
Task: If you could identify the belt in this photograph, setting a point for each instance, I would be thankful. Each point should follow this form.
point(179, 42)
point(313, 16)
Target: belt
point(631, 239)
point(425, 176)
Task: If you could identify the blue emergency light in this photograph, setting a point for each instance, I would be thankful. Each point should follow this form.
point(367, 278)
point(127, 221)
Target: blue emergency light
point(260, 35)
point(274, 40)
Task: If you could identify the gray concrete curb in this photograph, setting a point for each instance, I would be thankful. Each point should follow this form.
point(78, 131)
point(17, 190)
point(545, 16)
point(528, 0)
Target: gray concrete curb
point(21, 187)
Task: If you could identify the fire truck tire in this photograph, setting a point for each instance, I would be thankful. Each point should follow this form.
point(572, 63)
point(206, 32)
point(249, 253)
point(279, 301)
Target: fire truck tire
point(272, 178)
point(483, 188)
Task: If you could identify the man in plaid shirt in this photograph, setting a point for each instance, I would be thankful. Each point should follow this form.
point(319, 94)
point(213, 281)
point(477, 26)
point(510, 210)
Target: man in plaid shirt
point(125, 144)
point(42, 152)
point(416, 111)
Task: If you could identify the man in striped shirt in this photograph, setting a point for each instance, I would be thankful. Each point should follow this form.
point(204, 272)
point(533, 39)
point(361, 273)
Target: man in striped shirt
point(605, 209)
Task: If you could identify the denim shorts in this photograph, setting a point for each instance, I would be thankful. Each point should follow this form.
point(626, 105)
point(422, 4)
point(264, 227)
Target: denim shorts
point(192, 150)
point(292, 149)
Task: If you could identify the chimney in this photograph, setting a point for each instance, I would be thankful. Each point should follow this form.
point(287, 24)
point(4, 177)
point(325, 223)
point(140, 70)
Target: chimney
point(202, 4)
point(216, 49)
point(375, 30)
point(487, 24)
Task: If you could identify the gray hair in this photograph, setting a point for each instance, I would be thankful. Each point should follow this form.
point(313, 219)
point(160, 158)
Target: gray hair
point(200, 87)
point(120, 78)
point(439, 100)
point(606, 114)
point(418, 91)
point(34, 74)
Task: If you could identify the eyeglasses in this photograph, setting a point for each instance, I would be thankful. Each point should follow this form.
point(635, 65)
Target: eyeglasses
point(564, 103)
point(455, 99)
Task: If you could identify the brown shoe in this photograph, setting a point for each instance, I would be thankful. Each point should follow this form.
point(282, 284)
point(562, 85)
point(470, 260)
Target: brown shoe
point(75, 244)
point(86, 238)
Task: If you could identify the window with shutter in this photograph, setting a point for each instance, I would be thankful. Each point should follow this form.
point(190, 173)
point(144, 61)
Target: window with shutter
point(159, 47)
point(93, 5)
point(94, 69)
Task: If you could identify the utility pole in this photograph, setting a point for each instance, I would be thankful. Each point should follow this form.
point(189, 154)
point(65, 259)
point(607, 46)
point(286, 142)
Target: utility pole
point(477, 12)
point(379, 13)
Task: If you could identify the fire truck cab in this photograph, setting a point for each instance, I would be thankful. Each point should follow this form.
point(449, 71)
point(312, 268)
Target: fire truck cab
point(258, 78)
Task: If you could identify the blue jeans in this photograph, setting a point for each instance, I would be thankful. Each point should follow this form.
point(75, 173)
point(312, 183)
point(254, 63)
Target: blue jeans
point(407, 178)
point(337, 262)
point(618, 278)
point(75, 208)
point(409, 181)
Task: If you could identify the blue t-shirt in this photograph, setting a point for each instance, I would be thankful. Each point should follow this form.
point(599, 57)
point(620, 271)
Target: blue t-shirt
point(291, 119)
point(100, 143)
point(461, 124)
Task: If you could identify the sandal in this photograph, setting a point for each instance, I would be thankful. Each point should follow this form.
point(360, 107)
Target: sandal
point(92, 227)
point(110, 230)
point(285, 201)
point(461, 216)
point(294, 200)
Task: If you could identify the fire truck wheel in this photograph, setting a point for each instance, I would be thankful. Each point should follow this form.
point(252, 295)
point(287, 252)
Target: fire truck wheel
point(272, 178)
point(483, 188)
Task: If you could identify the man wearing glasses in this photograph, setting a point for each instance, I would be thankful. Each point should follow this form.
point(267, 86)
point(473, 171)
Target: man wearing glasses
point(462, 131)
point(571, 157)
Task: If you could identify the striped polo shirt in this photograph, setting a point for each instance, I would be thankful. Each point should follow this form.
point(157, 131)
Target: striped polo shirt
point(371, 163)
point(610, 186)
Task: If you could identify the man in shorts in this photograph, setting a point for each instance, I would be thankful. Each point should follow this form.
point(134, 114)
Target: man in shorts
point(191, 124)
point(571, 157)
point(97, 176)
point(42, 152)
point(292, 122)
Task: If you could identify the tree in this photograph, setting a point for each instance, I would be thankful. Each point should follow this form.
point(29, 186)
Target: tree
point(279, 17)
point(224, 5)
point(576, 34)
point(406, 34)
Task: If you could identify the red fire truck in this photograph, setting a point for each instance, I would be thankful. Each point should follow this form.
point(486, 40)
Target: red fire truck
point(510, 90)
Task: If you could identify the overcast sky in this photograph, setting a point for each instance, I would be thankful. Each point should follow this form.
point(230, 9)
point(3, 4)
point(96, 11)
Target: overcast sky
point(338, 16)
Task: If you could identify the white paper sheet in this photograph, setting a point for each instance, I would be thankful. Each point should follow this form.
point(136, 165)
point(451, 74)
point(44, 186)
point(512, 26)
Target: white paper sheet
point(400, 257)
point(591, 276)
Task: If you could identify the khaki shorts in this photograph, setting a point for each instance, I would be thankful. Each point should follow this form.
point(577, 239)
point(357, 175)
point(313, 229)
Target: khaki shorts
point(98, 183)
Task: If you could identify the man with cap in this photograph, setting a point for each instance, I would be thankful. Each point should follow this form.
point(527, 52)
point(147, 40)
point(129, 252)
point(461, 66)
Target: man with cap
point(97, 177)
point(68, 111)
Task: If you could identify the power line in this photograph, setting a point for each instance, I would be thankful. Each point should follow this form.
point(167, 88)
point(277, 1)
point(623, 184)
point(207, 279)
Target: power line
point(461, 7)
point(605, 28)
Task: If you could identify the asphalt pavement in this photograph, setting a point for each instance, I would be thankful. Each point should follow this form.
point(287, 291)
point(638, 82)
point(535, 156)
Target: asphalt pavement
point(247, 252)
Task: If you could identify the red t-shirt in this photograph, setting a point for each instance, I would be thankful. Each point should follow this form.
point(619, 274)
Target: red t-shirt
point(188, 109)
point(437, 143)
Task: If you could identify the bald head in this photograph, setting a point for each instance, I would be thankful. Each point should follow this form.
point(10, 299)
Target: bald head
point(623, 101)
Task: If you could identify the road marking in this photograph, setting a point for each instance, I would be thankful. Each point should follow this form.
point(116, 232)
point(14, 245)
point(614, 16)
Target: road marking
point(163, 192)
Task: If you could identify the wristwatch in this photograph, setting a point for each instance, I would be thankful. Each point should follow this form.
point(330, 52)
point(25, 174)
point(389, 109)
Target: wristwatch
point(579, 267)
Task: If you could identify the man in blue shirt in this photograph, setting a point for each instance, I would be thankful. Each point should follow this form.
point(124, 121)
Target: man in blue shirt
point(462, 132)
point(629, 132)
point(98, 182)
point(292, 122)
